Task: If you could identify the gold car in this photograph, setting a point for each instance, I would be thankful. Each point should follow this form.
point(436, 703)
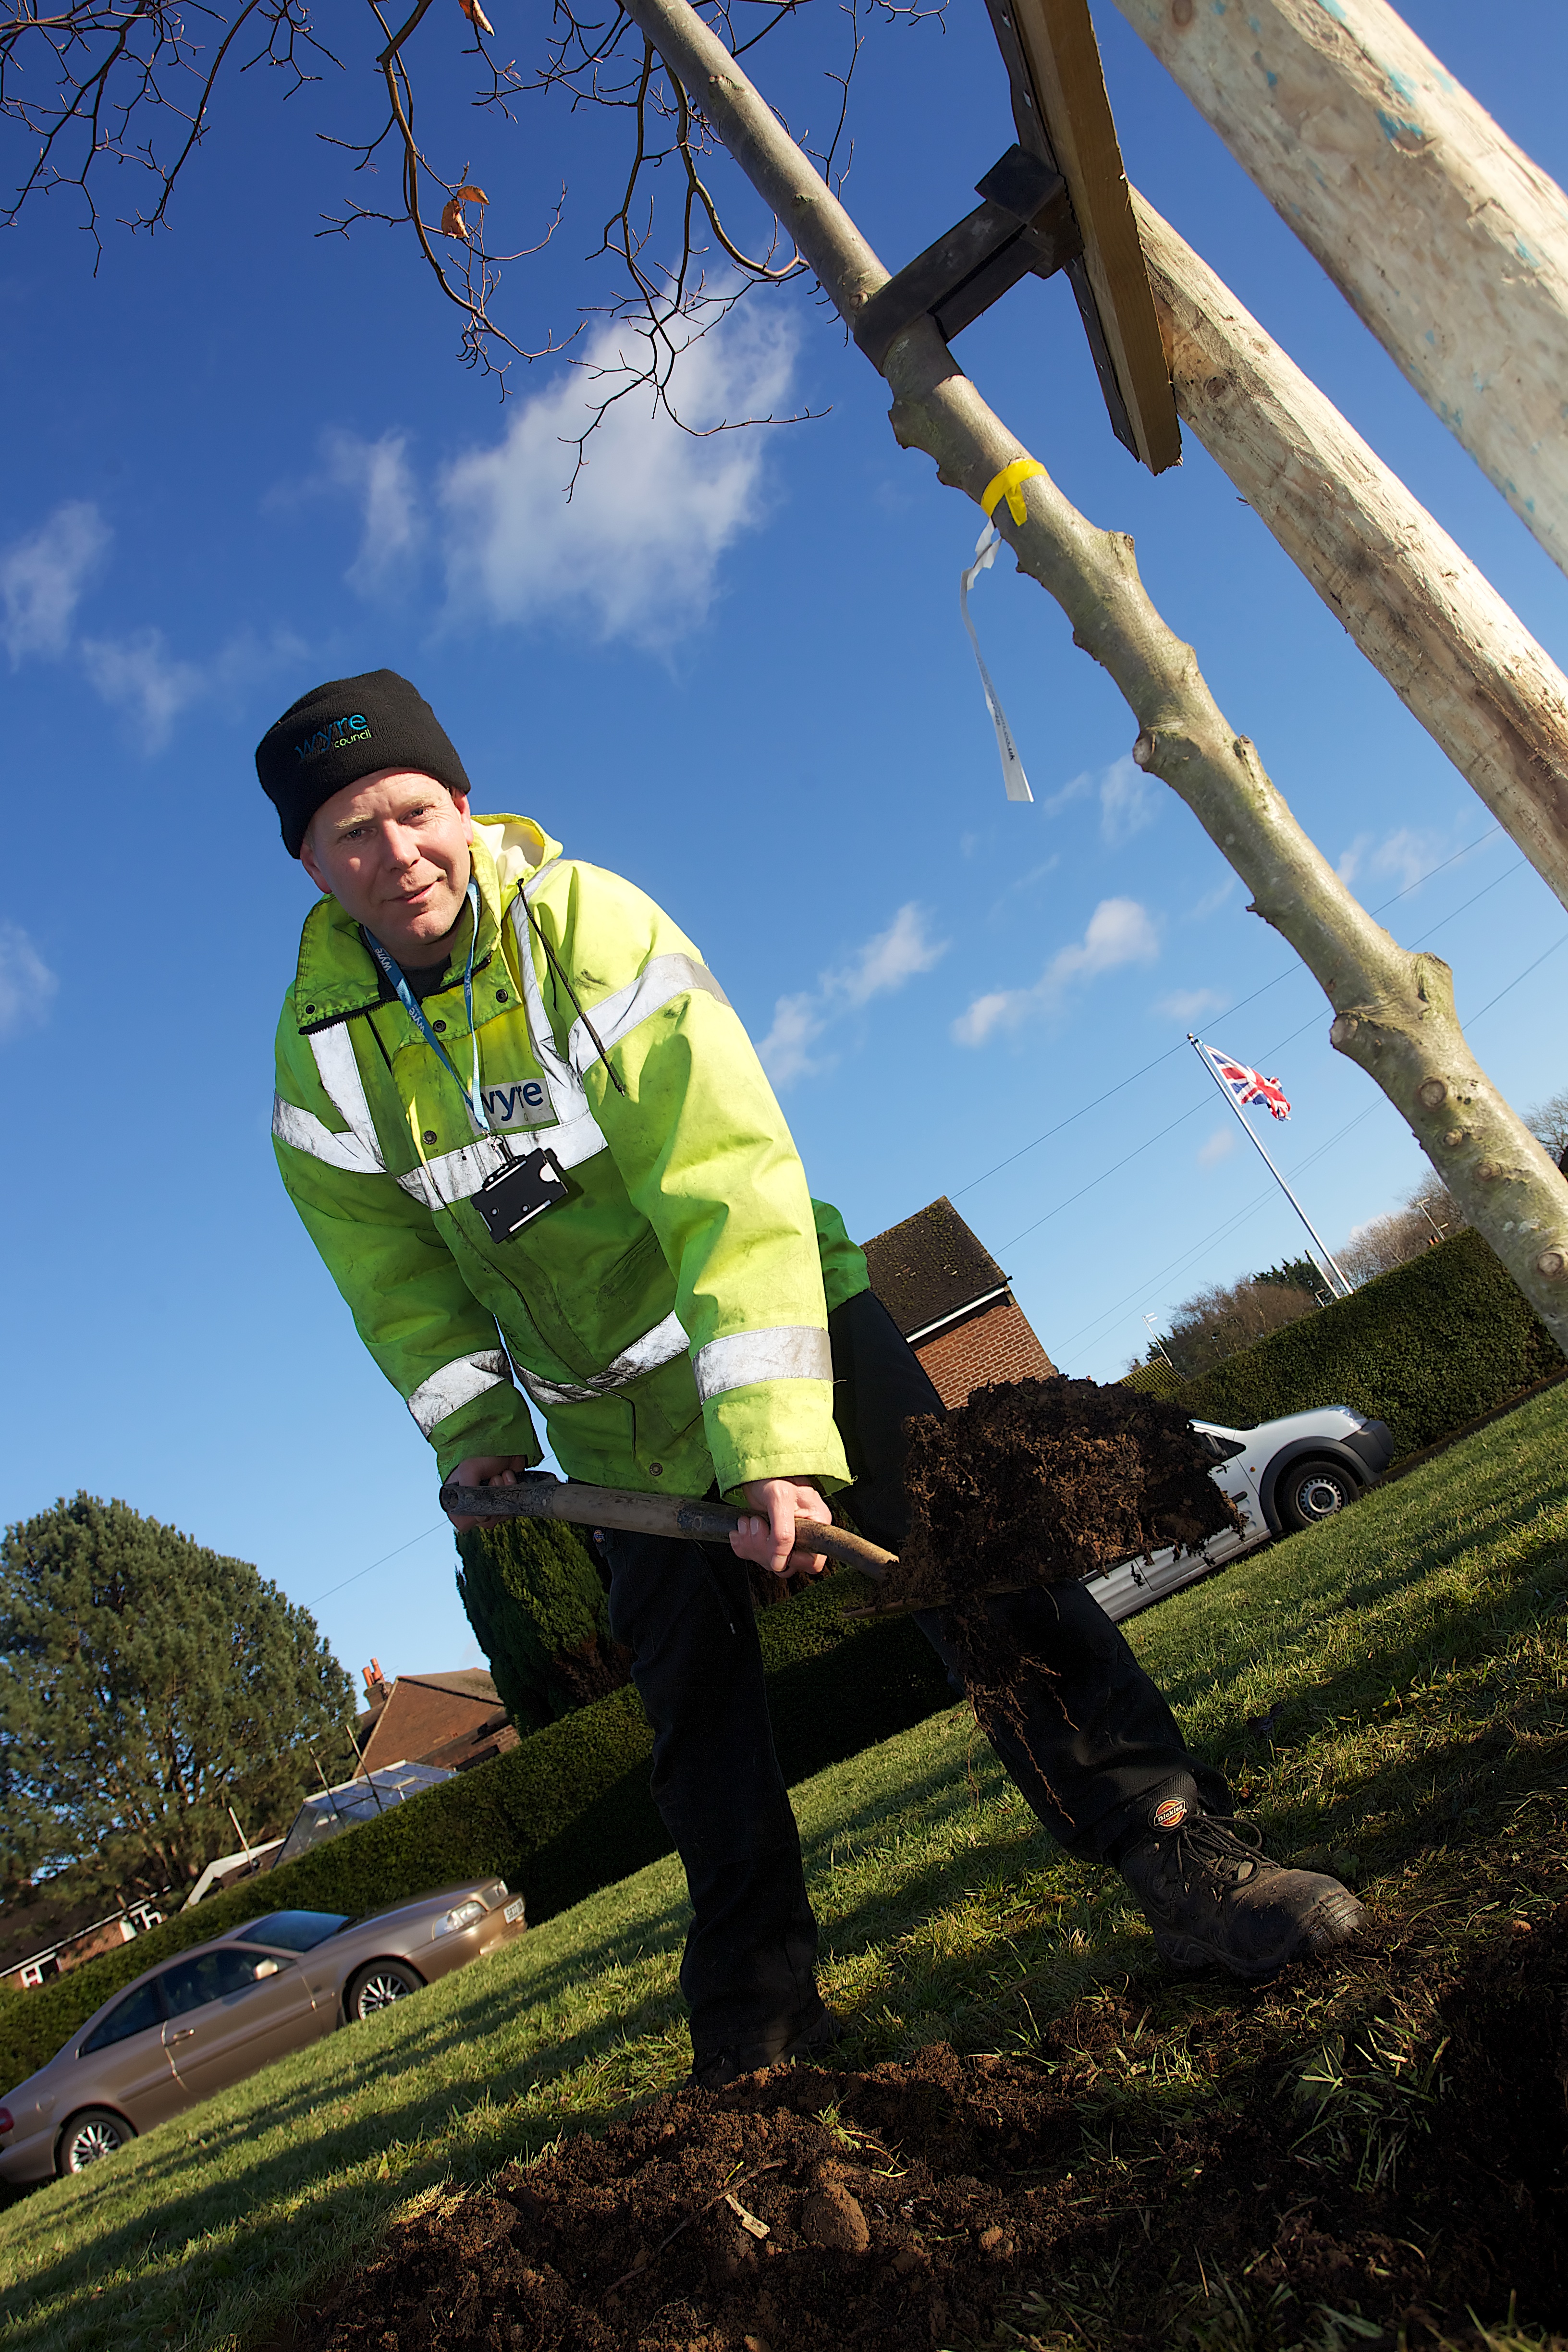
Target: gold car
point(230, 2007)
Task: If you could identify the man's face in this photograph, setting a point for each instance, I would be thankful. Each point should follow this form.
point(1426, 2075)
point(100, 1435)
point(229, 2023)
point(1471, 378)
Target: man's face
point(393, 850)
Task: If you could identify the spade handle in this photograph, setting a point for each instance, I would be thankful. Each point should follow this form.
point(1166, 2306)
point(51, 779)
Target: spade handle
point(540, 1496)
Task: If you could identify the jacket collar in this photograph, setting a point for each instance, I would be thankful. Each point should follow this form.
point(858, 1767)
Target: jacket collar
point(337, 976)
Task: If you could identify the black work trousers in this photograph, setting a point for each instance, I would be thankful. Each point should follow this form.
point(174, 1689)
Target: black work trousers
point(1098, 1744)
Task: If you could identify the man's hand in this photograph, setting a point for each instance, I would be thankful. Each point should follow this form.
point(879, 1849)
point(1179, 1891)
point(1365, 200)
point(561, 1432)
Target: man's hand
point(485, 1470)
point(769, 1538)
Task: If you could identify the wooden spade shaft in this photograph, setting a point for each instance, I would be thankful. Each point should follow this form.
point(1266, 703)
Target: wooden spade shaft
point(647, 1515)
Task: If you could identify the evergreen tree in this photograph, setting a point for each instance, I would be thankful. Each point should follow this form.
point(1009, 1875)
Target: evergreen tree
point(1292, 1273)
point(147, 1684)
point(537, 1605)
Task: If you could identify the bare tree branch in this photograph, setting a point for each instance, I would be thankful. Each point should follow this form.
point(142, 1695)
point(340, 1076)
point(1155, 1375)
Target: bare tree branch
point(103, 77)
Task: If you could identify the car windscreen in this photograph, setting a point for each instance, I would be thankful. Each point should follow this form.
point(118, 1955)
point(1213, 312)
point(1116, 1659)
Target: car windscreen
point(140, 2010)
point(294, 1931)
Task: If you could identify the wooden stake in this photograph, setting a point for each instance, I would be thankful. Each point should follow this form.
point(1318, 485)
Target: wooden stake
point(1449, 242)
point(1458, 658)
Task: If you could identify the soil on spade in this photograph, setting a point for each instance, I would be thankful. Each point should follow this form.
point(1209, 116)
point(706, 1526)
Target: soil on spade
point(1034, 1482)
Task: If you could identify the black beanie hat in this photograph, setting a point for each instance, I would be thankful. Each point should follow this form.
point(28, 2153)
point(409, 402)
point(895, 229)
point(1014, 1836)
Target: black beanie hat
point(350, 728)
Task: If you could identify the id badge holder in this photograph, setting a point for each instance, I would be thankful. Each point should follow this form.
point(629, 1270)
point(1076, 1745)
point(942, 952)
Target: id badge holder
point(524, 1189)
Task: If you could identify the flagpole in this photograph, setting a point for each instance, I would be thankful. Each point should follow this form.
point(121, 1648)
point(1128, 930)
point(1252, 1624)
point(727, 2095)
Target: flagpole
point(1248, 1129)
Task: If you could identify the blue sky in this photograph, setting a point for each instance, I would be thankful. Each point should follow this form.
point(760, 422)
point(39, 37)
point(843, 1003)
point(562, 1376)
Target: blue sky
point(244, 459)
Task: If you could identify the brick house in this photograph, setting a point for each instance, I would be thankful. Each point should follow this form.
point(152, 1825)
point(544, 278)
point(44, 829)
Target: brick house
point(950, 1300)
point(455, 1719)
point(45, 1933)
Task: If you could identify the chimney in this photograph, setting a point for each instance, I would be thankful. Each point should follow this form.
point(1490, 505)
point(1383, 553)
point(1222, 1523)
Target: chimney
point(375, 1686)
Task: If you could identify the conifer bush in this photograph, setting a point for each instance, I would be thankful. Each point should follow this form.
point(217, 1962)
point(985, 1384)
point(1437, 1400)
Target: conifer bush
point(1429, 1349)
point(537, 1603)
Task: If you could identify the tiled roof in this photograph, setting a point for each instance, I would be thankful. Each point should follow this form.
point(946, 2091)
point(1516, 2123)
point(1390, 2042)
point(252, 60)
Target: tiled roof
point(929, 1267)
point(473, 1682)
point(427, 1712)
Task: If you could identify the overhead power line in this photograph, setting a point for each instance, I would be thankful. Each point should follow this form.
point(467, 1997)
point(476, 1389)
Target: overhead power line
point(385, 1556)
point(1250, 1209)
point(1269, 1051)
point(1288, 972)
point(1218, 1233)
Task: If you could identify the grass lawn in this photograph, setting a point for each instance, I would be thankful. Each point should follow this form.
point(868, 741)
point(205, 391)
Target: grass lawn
point(1387, 1691)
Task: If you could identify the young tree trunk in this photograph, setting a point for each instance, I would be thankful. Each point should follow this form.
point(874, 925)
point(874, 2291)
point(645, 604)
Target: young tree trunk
point(1458, 658)
point(1450, 243)
point(1394, 1010)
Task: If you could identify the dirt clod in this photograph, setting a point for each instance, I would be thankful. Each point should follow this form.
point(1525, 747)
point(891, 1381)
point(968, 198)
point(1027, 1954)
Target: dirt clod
point(832, 2216)
point(1041, 1481)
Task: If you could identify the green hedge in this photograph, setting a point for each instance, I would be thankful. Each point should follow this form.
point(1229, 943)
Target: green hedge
point(1428, 1347)
point(563, 1812)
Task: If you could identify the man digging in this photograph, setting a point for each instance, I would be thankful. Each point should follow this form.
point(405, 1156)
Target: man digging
point(532, 1142)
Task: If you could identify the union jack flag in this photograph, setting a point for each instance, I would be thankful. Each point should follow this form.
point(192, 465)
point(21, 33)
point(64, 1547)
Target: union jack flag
point(1248, 1085)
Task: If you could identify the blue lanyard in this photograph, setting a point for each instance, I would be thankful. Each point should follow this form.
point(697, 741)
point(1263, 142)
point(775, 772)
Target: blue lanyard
point(415, 1010)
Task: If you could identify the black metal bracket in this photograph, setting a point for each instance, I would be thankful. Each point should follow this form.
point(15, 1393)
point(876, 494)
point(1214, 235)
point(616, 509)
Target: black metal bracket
point(1023, 227)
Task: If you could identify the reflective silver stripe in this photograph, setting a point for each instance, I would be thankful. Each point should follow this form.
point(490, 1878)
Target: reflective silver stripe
point(454, 1176)
point(306, 1132)
point(457, 1384)
point(577, 1135)
point(662, 979)
point(339, 1073)
point(789, 1351)
point(660, 1346)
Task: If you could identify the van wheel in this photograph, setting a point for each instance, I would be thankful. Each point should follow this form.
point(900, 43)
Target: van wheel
point(377, 1987)
point(96, 2132)
point(1310, 1491)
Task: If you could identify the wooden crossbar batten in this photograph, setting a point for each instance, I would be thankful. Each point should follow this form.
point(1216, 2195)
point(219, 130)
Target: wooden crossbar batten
point(1063, 115)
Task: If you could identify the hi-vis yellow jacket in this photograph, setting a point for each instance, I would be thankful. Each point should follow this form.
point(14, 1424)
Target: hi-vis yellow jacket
point(668, 1317)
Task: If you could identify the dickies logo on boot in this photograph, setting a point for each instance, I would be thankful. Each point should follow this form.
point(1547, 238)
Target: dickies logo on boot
point(1170, 1812)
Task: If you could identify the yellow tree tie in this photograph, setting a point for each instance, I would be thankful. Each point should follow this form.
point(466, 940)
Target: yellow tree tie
point(1006, 485)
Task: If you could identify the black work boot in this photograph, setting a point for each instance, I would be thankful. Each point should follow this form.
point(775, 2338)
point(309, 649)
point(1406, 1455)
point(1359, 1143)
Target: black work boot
point(715, 2070)
point(1211, 1897)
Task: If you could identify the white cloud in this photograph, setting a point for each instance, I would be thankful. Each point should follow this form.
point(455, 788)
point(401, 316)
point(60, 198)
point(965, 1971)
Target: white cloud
point(1220, 1146)
point(987, 1012)
point(786, 1051)
point(881, 966)
point(379, 475)
point(1129, 801)
point(1403, 858)
point(42, 578)
point(1189, 1003)
point(637, 548)
point(139, 676)
point(1064, 794)
point(1212, 900)
point(27, 983)
point(885, 962)
point(1119, 932)
point(1028, 879)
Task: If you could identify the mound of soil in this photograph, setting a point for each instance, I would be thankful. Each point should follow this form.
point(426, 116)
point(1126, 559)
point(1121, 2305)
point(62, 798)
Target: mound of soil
point(1035, 1481)
point(921, 2204)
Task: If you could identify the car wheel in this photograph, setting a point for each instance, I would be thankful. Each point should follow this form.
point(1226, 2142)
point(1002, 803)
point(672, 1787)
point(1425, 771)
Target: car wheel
point(1310, 1491)
point(377, 1987)
point(97, 2132)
